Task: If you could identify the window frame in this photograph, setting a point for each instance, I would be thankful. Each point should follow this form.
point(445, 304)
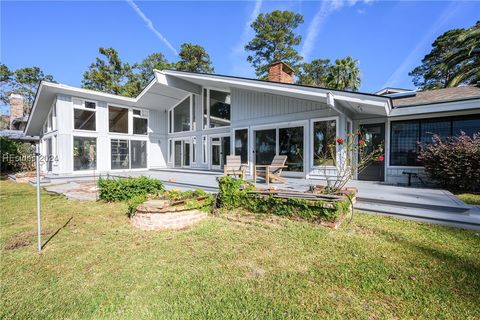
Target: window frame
point(312, 141)
point(248, 143)
point(96, 152)
point(129, 120)
point(452, 117)
point(206, 126)
point(171, 116)
point(140, 116)
point(82, 107)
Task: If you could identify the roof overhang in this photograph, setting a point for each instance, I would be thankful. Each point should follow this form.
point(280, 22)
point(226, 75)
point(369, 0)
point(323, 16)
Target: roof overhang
point(156, 96)
point(459, 105)
point(350, 102)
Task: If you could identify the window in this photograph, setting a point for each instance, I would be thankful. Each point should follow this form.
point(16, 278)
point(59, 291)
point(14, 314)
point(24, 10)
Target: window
point(181, 116)
point(216, 109)
point(84, 115)
point(169, 151)
point(140, 122)
point(324, 133)
point(138, 154)
point(290, 143)
point(118, 119)
point(405, 135)
point(54, 116)
point(219, 109)
point(84, 153)
point(119, 154)
point(194, 124)
point(204, 149)
point(241, 144)
point(194, 149)
point(170, 121)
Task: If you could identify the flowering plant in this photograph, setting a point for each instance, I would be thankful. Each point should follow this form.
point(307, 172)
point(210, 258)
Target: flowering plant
point(355, 155)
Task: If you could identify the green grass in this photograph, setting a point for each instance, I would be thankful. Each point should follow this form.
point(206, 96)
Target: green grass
point(469, 198)
point(230, 267)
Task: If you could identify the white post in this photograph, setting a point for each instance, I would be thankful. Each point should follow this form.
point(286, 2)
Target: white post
point(37, 161)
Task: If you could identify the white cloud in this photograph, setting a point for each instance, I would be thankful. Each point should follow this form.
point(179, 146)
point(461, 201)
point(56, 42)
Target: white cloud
point(325, 10)
point(238, 56)
point(150, 26)
point(415, 55)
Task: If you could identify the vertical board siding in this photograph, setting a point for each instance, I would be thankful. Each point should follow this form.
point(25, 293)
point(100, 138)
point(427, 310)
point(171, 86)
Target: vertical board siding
point(248, 105)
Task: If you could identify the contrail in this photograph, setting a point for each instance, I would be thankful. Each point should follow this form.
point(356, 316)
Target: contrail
point(150, 26)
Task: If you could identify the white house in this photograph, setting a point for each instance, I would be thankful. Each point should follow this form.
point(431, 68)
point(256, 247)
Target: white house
point(190, 120)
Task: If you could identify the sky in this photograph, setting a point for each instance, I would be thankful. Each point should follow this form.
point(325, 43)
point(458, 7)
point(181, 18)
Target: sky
point(389, 38)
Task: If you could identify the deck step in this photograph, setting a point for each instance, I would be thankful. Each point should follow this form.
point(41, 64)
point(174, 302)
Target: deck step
point(464, 220)
point(455, 207)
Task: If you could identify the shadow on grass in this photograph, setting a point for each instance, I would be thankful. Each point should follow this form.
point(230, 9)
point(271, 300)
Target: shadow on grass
point(453, 262)
point(56, 232)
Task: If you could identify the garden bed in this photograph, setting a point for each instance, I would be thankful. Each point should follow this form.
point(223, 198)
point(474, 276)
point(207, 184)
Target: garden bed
point(312, 205)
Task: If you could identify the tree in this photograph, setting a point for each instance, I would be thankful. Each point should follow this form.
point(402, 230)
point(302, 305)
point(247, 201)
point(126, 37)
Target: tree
point(111, 75)
point(316, 73)
point(345, 75)
point(454, 60)
point(23, 81)
point(194, 58)
point(144, 69)
point(274, 40)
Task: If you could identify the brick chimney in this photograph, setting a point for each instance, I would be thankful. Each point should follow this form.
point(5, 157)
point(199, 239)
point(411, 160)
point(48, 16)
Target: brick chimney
point(280, 72)
point(16, 108)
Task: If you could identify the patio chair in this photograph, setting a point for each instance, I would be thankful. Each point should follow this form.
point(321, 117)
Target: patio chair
point(271, 172)
point(234, 167)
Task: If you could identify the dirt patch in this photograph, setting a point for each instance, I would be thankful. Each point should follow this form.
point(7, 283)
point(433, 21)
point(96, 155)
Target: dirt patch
point(24, 239)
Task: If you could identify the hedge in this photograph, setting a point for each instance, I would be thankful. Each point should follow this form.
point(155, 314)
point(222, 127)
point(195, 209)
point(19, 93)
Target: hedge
point(121, 189)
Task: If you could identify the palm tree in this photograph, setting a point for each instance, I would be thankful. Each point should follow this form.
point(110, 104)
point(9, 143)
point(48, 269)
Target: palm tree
point(345, 75)
point(465, 59)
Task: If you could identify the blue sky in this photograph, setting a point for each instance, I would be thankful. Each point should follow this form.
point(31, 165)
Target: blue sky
point(388, 38)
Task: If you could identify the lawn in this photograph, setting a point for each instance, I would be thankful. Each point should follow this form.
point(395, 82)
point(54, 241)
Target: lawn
point(469, 198)
point(97, 266)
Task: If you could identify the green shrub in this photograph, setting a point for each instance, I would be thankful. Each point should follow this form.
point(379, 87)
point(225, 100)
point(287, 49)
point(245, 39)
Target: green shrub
point(121, 189)
point(235, 193)
point(134, 202)
point(16, 156)
point(454, 163)
point(190, 198)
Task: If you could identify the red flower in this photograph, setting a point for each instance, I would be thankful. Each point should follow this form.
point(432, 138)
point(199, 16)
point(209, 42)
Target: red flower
point(380, 158)
point(340, 140)
point(361, 142)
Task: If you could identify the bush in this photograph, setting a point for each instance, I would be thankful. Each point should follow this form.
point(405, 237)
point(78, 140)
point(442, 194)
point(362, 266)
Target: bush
point(235, 193)
point(134, 202)
point(16, 156)
point(454, 163)
point(121, 189)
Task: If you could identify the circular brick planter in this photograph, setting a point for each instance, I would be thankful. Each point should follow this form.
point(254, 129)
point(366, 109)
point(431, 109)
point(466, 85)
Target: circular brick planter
point(158, 214)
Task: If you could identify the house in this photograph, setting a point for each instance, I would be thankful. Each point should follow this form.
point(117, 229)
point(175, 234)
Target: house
point(13, 125)
point(193, 121)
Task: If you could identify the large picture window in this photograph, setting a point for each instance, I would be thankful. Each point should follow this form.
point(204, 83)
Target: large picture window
point(118, 119)
point(216, 109)
point(291, 144)
point(84, 115)
point(84, 153)
point(406, 135)
point(120, 154)
point(181, 116)
point(140, 122)
point(138, 154)
point(324, 134)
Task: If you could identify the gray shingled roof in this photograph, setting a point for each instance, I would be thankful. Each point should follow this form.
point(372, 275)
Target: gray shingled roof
point(438, 95)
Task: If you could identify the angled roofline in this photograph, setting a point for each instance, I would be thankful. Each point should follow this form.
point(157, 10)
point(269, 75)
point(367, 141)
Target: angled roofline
point(168, 71)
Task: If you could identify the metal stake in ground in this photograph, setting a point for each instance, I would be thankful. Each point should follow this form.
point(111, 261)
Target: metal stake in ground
point(37, 162)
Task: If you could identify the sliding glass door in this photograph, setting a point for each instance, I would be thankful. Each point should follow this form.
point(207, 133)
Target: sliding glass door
point(181, 154)
point(220, 149)
point(281, 140)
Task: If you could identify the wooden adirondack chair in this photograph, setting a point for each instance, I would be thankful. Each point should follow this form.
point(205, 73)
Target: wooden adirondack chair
point(272, 171)
point(234, 167)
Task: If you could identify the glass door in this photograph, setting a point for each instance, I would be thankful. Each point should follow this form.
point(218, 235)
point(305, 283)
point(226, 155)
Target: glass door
point(220, 149)
point(265, 146)
point(181, 153)
point(374, 136)
point(290, 143)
